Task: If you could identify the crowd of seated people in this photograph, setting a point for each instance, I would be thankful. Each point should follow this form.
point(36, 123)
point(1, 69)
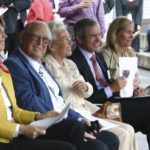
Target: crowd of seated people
point(16, 133)
point(36, 90)
point(72, 84)
point(43, 91)
point(87, 36)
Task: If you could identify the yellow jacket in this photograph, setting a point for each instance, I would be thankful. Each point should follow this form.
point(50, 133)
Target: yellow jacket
point(20, 116)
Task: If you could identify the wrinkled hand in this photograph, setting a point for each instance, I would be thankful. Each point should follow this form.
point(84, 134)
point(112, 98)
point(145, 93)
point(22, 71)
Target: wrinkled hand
point(79, 86)
point(84, 4)
point(138, 92)
point(31, 132)
point(46, 115)
point(88, 136)
point(118, 84)
point(87, 123)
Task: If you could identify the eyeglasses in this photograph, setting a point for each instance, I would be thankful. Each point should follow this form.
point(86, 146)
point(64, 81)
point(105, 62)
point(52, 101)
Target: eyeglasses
point(37, 38)
point(94, 36)
point(65, 39)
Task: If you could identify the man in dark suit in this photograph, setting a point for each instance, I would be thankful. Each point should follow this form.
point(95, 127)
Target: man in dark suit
point(88, 39)
point(36, 89)
point(135, 7)
point(14, 18)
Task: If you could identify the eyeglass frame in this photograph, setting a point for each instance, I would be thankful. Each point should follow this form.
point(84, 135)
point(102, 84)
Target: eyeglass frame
point(36, 38)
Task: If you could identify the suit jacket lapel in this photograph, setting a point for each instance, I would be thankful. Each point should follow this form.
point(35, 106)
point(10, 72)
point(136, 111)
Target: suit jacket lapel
point(36, 76)
point(86, 67)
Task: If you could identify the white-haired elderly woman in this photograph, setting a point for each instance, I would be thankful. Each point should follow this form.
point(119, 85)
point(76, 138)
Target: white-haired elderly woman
point(73, 86)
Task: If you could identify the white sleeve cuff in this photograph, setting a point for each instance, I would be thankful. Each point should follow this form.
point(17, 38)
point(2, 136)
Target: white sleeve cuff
point(16, 133)
point(108, 92)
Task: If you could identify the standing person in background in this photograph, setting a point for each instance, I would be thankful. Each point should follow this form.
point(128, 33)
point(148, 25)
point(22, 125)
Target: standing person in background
point(108, 5)
point(135, 7)
point(148, 40)
point(40, 10)
point(14, 18)
point(75, 10)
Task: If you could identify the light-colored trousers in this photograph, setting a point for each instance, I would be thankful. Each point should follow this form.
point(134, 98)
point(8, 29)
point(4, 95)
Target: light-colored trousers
point(126, 135)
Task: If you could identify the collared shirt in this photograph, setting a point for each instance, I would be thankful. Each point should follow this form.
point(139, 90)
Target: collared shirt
point(51, 84)
point(2, 56)
point(8, 107)
point(68, 9)
point(88, 56)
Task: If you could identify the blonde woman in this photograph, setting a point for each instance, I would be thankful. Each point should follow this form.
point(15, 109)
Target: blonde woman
point(118, 44)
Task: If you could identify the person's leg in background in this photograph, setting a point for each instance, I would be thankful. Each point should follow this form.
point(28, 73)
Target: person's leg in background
point(136, 44)
point(148, 40)
point(136, 41)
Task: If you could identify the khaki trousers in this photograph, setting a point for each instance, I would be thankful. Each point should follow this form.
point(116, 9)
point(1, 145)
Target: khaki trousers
point(126, 135)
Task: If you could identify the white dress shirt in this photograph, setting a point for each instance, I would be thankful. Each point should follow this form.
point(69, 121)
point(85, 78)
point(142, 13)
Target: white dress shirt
point(53, 88)
point(88, 57)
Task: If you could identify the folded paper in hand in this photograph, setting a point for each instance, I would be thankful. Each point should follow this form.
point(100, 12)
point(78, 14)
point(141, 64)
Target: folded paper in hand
point(128, 68)
point(47, 122)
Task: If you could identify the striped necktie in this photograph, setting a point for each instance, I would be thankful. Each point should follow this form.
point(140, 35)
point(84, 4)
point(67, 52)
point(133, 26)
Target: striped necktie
point(97, 73)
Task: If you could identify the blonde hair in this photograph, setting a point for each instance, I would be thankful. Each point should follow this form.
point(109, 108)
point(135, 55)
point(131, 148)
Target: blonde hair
point(116, 26)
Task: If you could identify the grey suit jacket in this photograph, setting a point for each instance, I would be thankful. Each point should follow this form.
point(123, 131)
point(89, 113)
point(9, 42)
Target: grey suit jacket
point(136, 10)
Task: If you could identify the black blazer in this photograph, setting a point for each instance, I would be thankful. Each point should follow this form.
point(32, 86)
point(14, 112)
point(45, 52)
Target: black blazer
point(98, 96)
point(11, 15)
point(122, 9)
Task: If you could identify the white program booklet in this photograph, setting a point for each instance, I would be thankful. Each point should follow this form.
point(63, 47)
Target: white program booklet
point(128, 68)
point(45, 123)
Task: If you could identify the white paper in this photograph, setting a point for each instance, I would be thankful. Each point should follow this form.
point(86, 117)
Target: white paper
point(106, 124)
point(3, 10)
point(130, 64)
point(45, 123)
